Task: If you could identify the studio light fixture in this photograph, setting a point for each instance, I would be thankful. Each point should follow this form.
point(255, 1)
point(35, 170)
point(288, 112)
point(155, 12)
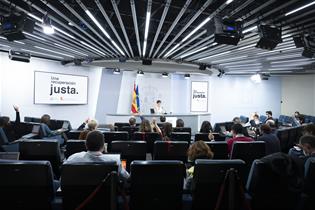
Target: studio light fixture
point(47, 27)
point(140, 73)
point(256, 78)
point(221, 73)
point(116, 71)
point(187, 76)
point(164, 74)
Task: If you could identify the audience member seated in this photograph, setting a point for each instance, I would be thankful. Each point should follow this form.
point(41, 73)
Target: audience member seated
point(297, 150)
point(95, 146)
point(145, 126)
point(237, 132)
point(46, 132)
point(198, 150)
point(82, 126)
point(92, 125)
point(11, 131)
point(206, 127)
point(307, 143)
point(166, 131)
point(271, 140)
point(254, 123)
point(180, 123)
point(236, 120)
point(309, 130)
point(270, 121)
point(131, 128)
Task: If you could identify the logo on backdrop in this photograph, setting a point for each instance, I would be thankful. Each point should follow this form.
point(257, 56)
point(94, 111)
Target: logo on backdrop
point(61, 87)
point(199, 96)
point(54, 88)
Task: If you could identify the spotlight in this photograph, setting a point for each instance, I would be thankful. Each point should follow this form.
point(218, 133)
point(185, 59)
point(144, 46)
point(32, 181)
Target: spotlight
point(47, 28)
point(140, 73)
point(270, 37)
point(256, 78)
point(187, 76)
point(221, 73)
point(116, 71)
point(202, 67)
point(164, 74)
point(226, 31)
point(77, 62)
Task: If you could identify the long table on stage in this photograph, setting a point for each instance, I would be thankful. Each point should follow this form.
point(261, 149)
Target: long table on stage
point(191, 120)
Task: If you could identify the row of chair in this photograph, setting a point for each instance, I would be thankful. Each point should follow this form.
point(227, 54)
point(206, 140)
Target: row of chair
point(137, 150)
point(153, 185)
point(289, 137)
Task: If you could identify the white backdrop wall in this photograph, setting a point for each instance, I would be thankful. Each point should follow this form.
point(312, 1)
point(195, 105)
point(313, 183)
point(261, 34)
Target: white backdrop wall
point(298, 94)
point(17, 84)
point(228, 96)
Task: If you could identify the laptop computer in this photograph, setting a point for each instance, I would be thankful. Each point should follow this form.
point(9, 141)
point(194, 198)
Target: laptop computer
point(152, 111)
point(64, 127)
point(9, 155)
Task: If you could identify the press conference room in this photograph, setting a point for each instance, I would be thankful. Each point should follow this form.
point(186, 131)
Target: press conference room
point(148, 104)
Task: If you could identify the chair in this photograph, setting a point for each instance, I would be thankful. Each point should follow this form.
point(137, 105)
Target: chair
point(309, 183)
point(79, 180)
point(156, 185)
point(207, 180)
point(292, 137)
point(130, 150)
point(170, 150)
point(115, 136)
point(219, 148)
point(219, 127)
point(120, 124)
point(74, 134)
point(74, 146)
point(130, 131)
point(150, 138)
point(182, 129)
point(244, 119)
point(201, 136)
point(248, 151)
point(42, 150)
point(262, 118)
point(181, 136)
point(6, 145)
point(270, 190)
point(283, 136)
point(26, 185)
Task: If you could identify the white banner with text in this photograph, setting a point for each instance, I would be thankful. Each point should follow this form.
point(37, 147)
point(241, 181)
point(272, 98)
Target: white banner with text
point(199, 96)
point(53, 88)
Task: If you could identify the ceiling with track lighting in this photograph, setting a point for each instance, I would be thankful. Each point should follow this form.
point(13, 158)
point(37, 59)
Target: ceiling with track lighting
point(100, 32)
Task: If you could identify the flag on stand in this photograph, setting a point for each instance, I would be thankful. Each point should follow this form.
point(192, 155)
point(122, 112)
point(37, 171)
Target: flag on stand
point(135, 106)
